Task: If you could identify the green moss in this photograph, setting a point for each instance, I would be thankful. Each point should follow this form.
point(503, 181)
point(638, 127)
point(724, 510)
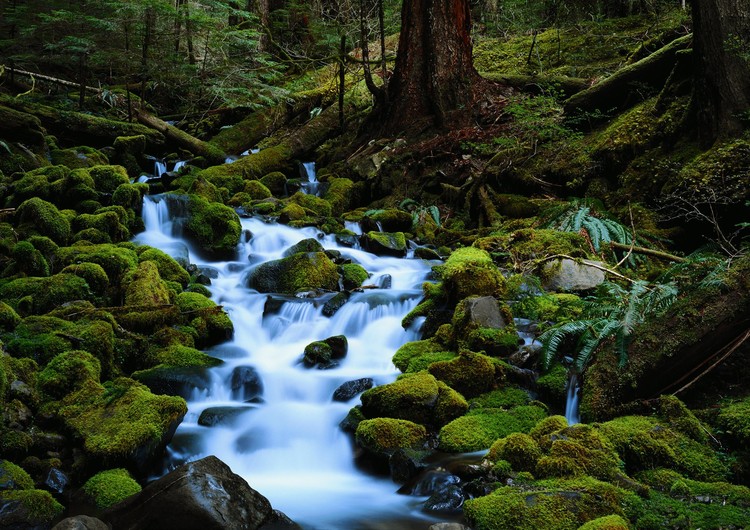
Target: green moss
point(734, 419)
point(492, 341)
point(505, 398)
point(78, 157)
point(41, 509)
point(29, 260)
point(339, 195)
point(299, 272)
point(678, 417)
point(317, 205)
point(122, 421)
point(275, 182)
point(115, 260)
point(388, 243)
point(130, 196)
point(643, 443)
point(256, 190)
point(481, 427)
point(450, 405)
point(553, 307)
point(412, 397)
point(386, 435)
point(145, 287)
point(43, 218)
point(213, 226)
point(93, 273)
point(423, 362)
point(169, 269)
point(107, 488)
point(67, 372)
point(211, 324)
point(609, 522)
point(534, 244)
point(546, 427)
point(108, 178)
point(390, 219)
point(353, 275)
point(552, 386)
point(470, 271)
point(9, 319)
point(14, 477)
point(107, 222)
point(46, 293)
point(470, 373)
point(292, 212)
point(39, 338)
point(519, 449)
point(576, 451)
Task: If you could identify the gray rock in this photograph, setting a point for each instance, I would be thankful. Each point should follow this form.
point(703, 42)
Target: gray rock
point(384, 243)
point(174, 381)
point(335, 303)
point(201, 495)
point(448, 526)
point(221, 415)
point(484, 311)
point(246, 383)
point(448, 500)
point(56, 480)
point(569, 275)
point(81, 522)
point(348, 390)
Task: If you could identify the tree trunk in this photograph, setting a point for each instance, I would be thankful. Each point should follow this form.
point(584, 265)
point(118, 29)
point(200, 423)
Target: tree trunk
point(434, 78)
point(182, 139)
point(722, 74)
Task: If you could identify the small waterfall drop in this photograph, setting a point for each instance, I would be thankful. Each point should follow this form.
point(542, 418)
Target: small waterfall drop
point(312, 186)
point(573, 398)
point(288, 444)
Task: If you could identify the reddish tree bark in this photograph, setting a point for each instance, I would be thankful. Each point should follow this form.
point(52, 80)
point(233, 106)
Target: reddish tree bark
point(434, 80)
point(722, 75)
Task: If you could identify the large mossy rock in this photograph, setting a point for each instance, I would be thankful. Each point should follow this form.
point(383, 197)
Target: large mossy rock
point(41, 295)
point(214, 227)
point(384, 436)
point(109, 487)
point(390, 220)
point(37, 216)
point(419, 398)
point(384, 243)
point(470, 272)
point(122, 423)
point(300, 272)
point(569, 275)
point(145, 287)
point(201, 495)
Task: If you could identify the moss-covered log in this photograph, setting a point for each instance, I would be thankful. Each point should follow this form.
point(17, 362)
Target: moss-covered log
point(80, 128)
point(615, 91)
point(182, 139)
point(536, 84)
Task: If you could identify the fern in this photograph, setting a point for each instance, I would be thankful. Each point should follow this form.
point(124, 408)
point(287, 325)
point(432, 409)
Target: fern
point(612, 314)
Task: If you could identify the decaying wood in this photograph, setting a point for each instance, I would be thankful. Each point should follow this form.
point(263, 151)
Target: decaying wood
point(184, 140)
point(538, 84)
point(615, 91)
point(48, 78)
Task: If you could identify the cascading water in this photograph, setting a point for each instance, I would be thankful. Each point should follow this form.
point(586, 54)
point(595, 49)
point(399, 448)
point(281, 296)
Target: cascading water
point(288, 444)
point(312, 185)
point(572, 401)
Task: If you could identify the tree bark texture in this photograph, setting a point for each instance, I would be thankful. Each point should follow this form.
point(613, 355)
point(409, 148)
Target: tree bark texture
point(722, 75)
point(434, 77)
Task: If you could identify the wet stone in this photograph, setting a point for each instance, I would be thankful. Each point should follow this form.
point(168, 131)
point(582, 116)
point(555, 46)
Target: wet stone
point(350, 389)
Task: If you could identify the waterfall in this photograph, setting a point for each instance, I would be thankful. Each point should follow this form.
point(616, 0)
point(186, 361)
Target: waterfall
point(287, 443)
point(572, 401)
point(312, 185)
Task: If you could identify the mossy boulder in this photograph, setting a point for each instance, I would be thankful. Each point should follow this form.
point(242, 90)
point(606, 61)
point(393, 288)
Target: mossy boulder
point(353, 275)
point(256, 190)
point(116, 260)
point(215, 228)
point(37, 216)
point(9, 319)
point(479, 428)
point(130, 196)
point(340, 195)
point(29, 260)
point(468, 272)
point(169, 269)
point(608, 522)
point(40, 338)
point(109, 487)
point(553, 386)
point(576, 451)
point(388, 220)
point(108, 178)
point(387, 435)
point(122, 423)
point(415, 397)
point(734, 419)
point(28, 508)
point(209, 321)
point(145, 287)
point(129, 153)
point(413, 350)
point(318, 206)
point(78, 157)
point(646, 443)
point(470, 373)
point(67, 372)
point(41, 295)
point(306, 245)
point(275, 182)
point(384, 243)
point(518, 449)
point(558, 505)
point(93, 273)
point(13, 477)
point(106, 222)
point(300, 272)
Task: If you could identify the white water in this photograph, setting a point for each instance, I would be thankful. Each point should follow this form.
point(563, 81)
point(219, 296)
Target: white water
point(290, 447)
point(572, 401)
point(312, 185)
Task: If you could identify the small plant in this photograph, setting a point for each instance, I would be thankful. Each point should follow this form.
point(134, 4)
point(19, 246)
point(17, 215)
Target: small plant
point(419, 211)
point(611, 314)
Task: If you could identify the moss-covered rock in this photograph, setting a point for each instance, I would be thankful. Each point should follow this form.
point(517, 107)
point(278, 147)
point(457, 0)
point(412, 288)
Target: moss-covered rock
point(275, 182)
point(339, 195)
point(145, 287)
point(116, 260)
point(506, 398)
point(93, 273)
point(384, 243)
point(209, 321)
point(67, 372)
point(734, 419)
point(386, 435)
point(41, 295)
point(9, 319)
point(412, 350)
point(300, 272)
point(129, 152)
point(256, 190)
point(13, 477)
point(109, 487)
point(122, 422)
point(106, 222)
point(37, 216)
point(353, 275)
point(214, 227)
point(29, 260)
point(29, 508)
point(306, 245)
point(608, 522)
point(552, 386)
point(169, 269)
point(389, 220)
point(130, 196)
point(576, 451)
point(78, 157)
point(481, 427)
point(108, 178)
point(415, 397)
point(470, 373)
point(518, 449)
point(470, 271)
point(316, 205)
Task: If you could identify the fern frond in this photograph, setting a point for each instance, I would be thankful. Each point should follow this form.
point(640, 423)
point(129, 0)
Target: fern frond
point(554, 337)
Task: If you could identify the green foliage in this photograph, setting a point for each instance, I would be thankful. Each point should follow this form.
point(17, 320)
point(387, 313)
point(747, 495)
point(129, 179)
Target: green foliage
point(481, 427)
point(612, 314)
point(107, 488)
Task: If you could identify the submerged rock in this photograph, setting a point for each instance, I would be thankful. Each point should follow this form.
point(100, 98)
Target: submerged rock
point(246, 383)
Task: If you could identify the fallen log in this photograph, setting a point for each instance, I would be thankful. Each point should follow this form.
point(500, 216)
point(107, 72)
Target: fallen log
point(48, 78)
point(538, 84)
point(615, 91)
point(76, 128)
point(210, 152)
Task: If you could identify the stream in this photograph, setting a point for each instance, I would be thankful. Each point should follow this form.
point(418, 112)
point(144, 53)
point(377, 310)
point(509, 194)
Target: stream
point(286, 441)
